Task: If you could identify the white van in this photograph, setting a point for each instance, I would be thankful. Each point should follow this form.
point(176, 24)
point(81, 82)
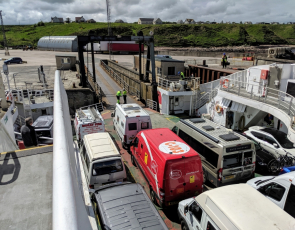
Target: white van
point(88, 120)
point(232, 207)
point(129, 119)
point(101, 160)
point(279, 189)
point(227, 157)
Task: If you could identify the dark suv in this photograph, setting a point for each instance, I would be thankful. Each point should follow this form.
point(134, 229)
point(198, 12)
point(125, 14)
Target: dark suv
point(16, 60)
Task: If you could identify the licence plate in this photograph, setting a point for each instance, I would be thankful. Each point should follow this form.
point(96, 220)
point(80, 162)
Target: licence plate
point(229, 177)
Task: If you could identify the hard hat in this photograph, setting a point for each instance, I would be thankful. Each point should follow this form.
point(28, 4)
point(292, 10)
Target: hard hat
point(223, 53)
point(178, 72)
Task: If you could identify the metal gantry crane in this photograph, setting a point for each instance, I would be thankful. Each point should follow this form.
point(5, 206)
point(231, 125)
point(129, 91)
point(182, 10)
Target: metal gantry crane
point(109, 27)
point(4, 37)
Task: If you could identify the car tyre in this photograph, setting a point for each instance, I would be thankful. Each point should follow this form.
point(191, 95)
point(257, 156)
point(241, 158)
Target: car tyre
point(133, 160)
point(153, 196)
point(183, 225)
point(124, 146)
point(204, 176)
point(273, 166)
point(20, 62)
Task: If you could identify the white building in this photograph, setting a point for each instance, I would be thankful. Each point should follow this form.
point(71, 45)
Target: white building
point(57, 20)
point(180, 22)
point(157, 21)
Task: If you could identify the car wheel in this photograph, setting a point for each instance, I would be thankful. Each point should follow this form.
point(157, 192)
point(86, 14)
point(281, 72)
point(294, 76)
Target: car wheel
point(153, 196)
point(273, 166)
point(183, 226)
point(204, 176)
point(125, 146)
point(133, 160)
point(20, 62)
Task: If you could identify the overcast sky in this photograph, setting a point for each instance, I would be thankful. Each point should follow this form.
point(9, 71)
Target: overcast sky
point(32, 11)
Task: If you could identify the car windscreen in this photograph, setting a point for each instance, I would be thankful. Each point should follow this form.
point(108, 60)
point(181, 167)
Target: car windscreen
point(107, 167)
point(281, 138)
point(232, 161)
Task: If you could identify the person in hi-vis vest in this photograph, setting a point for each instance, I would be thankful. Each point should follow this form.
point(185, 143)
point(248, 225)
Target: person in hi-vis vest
point(118, 96)
point(125, 96)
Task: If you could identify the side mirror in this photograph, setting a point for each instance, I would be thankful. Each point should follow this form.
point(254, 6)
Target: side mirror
point(185, 209)
point(112, 115)
point(275, 145)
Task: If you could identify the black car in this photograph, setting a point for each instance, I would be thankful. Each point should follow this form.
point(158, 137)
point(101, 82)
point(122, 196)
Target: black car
point(12, 60)
point(262, 158)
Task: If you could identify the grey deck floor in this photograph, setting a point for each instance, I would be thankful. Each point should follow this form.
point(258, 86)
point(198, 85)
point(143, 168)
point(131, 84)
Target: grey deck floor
point(26, 190)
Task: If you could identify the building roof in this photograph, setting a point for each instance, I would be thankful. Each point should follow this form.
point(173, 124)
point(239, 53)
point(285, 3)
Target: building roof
point(146, 19)
point(189, 20)
point(119, 20)
point(163, 58)
point(242, 207)
point(78, 18)
point(100, 145)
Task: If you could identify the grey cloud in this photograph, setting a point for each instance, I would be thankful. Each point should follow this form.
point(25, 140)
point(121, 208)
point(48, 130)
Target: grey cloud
point(31, 11)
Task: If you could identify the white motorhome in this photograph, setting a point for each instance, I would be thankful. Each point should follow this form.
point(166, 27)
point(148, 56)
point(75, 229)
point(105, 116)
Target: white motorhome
point(88, 120)
point(233, 207)
point(279, 189)
point(227, 157)
point(129, 119)
point(101, 160)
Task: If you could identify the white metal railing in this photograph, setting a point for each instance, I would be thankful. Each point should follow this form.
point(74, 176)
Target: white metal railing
point(68, 208)
point(192, 84)
point(131, 90)
point(27, 95)
point(261, 93)
point(152, 104)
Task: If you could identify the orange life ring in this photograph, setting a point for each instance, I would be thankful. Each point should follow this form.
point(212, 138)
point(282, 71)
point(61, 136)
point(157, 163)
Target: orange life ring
point(218, 108)
point(225, 83)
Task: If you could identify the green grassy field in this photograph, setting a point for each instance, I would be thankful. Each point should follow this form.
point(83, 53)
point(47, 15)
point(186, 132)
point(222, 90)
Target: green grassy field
point(171, 35)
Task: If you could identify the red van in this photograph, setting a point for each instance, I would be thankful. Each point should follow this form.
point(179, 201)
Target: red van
point(171, 167)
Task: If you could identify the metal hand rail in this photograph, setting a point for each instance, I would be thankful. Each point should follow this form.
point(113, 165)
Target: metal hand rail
point(152, 104)
point(131, 90)
point(68, 208)
point(274, 97)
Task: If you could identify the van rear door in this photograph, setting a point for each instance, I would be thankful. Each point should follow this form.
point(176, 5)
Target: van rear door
point(183, 179)
point(132, 128)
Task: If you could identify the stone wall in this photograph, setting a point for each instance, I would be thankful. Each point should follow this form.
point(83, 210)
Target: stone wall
point(79, 98)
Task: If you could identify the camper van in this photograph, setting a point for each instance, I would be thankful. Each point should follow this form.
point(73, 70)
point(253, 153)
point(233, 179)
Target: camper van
point(233, 207)
point(88, 120)
point(172, 169)
point(129, 119)
point(279, 189)
point(101, 160)
point(227, 157)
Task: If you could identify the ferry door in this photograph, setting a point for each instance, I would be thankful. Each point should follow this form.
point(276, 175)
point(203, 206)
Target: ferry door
point(171, 105)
